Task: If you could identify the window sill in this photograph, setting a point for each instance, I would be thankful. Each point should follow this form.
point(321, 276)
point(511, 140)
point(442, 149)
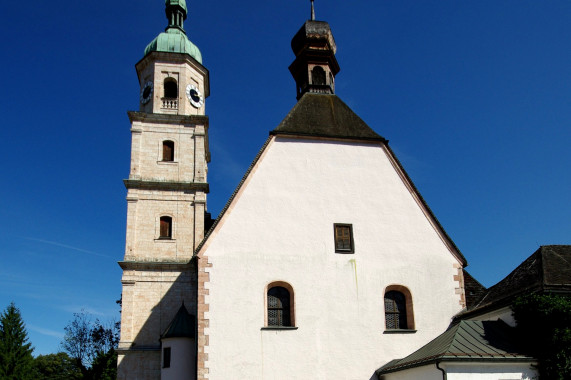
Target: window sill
point(167, 162)
point(399, 331)
point(166, 240)
point(345, 252)
point(279, 328)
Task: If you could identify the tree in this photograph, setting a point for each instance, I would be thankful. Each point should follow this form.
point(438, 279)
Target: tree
point(91, 346)
point(544, 324)
point(16, 360)
point(56, 367)
point(77, 341)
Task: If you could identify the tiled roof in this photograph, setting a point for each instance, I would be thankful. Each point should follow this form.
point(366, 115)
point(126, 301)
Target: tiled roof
point(547, 269)
point(183, 325)
point(483, 341)
point(474, 290)
point(321, 115)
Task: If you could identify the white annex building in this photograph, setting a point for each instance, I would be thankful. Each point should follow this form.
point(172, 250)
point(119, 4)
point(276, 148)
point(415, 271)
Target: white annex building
point(326, 263)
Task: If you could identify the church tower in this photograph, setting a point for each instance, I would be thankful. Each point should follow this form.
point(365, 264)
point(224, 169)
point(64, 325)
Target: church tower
point(166, 194)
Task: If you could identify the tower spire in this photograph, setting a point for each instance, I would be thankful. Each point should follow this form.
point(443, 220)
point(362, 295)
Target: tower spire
point(312, 11)
point(176, 14)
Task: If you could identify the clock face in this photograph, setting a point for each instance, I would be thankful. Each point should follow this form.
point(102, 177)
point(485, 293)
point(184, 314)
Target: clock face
point(194, 96)
point(146, 92)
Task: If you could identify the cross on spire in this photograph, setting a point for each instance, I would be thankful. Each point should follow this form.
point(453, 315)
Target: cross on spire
point(312, 11)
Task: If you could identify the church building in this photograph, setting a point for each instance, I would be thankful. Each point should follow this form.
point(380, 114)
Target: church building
point(326, 263)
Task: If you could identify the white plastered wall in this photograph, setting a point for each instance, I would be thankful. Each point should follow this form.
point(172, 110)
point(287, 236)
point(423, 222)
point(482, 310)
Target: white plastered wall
point(280, 228)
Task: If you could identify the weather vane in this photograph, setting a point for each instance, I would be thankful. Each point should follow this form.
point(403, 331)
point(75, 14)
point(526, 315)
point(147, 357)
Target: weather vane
point(312, 11)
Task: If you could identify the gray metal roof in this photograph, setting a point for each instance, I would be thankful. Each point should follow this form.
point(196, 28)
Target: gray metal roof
point(492, 341)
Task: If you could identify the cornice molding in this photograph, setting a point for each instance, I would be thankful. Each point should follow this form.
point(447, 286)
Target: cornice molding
point(166, 185)
point(168, 119)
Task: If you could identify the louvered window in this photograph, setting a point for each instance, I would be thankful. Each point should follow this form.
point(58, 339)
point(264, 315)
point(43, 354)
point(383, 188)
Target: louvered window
point(395, 310)
point(168, 150)
point(343, 238)
point(166, 227)
point(279, 307)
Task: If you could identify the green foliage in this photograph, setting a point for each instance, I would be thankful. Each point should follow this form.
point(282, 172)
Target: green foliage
point(544, 324)
point(56, 367)
point(16, 360)
point(91, 346)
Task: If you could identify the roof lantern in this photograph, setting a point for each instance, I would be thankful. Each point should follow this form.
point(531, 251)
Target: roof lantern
point(174, 39)
point(315, 66)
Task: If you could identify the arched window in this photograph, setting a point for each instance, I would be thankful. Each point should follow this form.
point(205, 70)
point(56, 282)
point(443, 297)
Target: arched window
point(168, 150)
point(398, 308)
point(318, 75)
point(280, 305)
point(166, 228)
point(171, 88)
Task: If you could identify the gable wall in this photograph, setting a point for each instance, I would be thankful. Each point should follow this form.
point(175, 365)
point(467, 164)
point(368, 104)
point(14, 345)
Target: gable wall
point(280, 228)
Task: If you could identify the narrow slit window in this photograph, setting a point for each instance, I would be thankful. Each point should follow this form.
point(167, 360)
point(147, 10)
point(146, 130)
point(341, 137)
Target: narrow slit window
point(168, 150)
point(343, 238)
point(166, 357)
point(166, 227)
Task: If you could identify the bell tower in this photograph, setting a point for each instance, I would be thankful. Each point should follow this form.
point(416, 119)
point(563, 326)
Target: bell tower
point(315, 66)
point(166, 194)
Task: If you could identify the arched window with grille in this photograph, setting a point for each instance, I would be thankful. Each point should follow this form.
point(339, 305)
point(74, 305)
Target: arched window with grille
point(398, 308)
point(165, 231)
point(170, 88)
point(280, 305)
point(168, 150)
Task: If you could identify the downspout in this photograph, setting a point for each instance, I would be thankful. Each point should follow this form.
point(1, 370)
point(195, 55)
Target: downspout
point(444, 377)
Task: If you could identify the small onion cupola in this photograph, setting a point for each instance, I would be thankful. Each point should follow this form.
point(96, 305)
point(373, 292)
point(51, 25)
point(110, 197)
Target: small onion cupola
point(315, 66)
point(174, 39)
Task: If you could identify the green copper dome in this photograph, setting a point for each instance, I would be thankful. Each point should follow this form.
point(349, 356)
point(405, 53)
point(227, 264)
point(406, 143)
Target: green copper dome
point(180, 3)
point(174, 39)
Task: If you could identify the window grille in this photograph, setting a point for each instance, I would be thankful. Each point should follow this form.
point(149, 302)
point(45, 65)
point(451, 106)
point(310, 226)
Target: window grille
point(395, 310)
point(279, 307)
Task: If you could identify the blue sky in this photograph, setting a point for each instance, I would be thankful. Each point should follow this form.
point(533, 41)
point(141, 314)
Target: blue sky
point(475, 98)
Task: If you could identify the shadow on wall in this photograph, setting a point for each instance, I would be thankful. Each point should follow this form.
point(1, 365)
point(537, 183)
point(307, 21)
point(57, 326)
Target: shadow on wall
point(151, 301)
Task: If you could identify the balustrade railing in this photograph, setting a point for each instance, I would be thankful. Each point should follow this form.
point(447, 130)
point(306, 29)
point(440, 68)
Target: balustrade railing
point(170, 103)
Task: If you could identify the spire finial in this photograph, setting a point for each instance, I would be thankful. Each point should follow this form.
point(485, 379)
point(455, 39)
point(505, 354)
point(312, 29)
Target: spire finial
point(312, 11)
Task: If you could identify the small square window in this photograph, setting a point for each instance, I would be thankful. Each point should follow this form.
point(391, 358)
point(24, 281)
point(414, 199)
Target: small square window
point(343, 238)
point(166, 357)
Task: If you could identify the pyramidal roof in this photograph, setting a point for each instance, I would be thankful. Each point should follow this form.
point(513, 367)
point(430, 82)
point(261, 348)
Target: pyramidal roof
point(466, 341)
point(321, 115)
point(182, 325)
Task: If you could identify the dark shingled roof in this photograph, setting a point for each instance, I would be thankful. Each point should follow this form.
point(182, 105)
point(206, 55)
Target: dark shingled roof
point(182, 326)
point(474, 290)
point(484, 341)
point(547, 269)
point(321, 115)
